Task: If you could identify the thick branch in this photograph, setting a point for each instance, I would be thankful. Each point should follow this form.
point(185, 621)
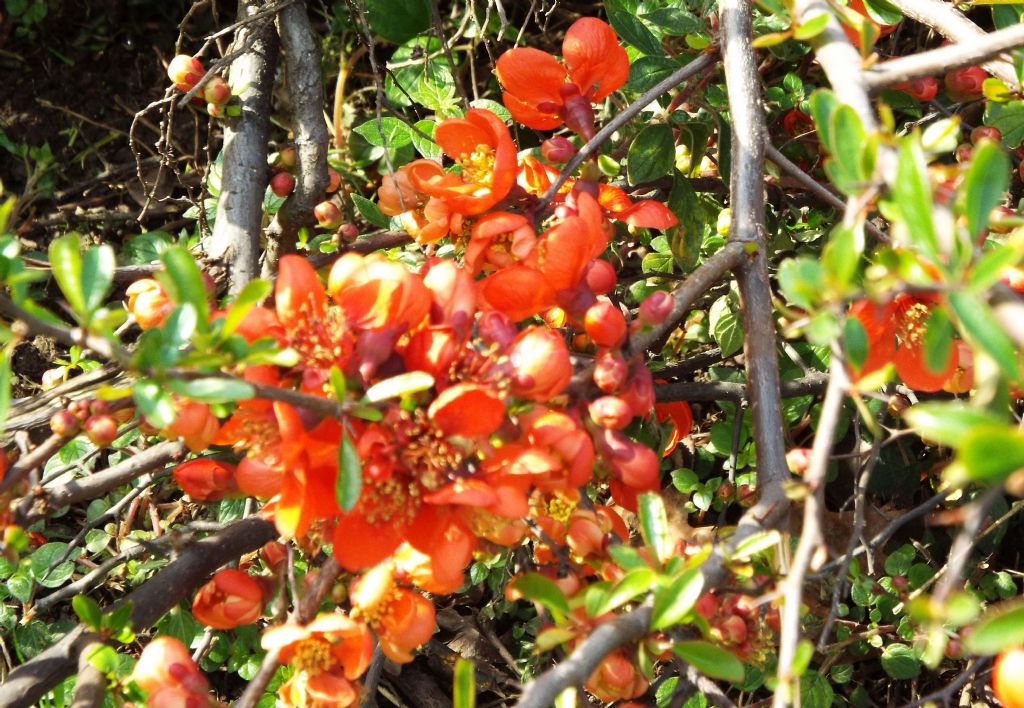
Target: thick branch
point(749, 138)
point(306, 101)
point(236, 233)
point(953, 25)
point(966, 52)
point(809, 385)
point(27, 683)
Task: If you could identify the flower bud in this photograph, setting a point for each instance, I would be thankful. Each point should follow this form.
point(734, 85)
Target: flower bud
point(557, 149)
point(287, 157)
point(274, 554)
point(148, 302)
point(610, 371)
point(328, 215)
point(217, 91)
point(540, 364)
point(600, 277)
point(333, 180)
point(798, 460)
point(100, 429)
point(965, 84)
point(656, 308)
point(986, 131)
point(230, 599)
point(64, 423)
point(206, 480)
point(349, 232)
point(282, 184)
point(611, 412)
point(495, 327)
point(924, 89)
point(185, 72)
point(605, 324)
point(166, 663)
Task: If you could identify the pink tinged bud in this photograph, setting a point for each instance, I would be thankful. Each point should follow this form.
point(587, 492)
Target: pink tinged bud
point(600, 277)
point(349, 232)
point(328, 215)
point(965, 84)
point(611, 412)
point(577, 111)
point(101, 430)
point(557, 149)
point(217, 91)
point(540, 364)
point(333, 180)
point(282, 184)
point(986, 131)
point(185, 72)
point(610, 371)
point(656, 308)
point(798, 460)
point(215, 109)
point(286, 157)
point(64, 423)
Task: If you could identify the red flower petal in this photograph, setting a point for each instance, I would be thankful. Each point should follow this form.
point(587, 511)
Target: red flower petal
point(594, 57)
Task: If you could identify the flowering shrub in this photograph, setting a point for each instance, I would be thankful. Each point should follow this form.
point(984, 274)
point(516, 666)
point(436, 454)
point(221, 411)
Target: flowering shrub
point(496, 402)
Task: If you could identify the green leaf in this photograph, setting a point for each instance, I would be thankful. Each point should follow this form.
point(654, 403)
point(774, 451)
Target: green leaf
point(97, 275)
point(104, 659)
point(214, 389)
point(912, 196)
point(338, 385)
point(710, 659)
point(540, 589)
point(88, 611)
point(901, 662)
point(975, 461)
point(855, 341)
point(651, 154)
point(401, 385)
point(5, 387)
point(654, 524)
point(371, 212)
point(628, 26)
point(46, 556)
point(391, 133)
point(841, 256)
point(645, 72)
point(980, 326)
point(812, 27)
point(802, 281)
point(633, 584)
point(398, 20)
point(985, 183)
point(901, 560)
point(673, 21)
point(492, 106)
point(154, 403)
point(947, 422)
point(1001, 627)
point(66, 263)
point(184, 282)
point(938, 339)
point(685, 238)
point(428, 148)
point(249, 296)
point(726, 326)
point(1009, 118)
point(674, 601)
point(823, 104)
point(989, 268)
point(464, 690)
point(349, 484)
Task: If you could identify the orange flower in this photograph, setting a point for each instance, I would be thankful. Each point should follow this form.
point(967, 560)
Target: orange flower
point(195, 424)
point(467, 410)
point(149, 302)
point(483, 149)
point(518, 291)
point(902, 320)
point(425, 218)
point(616, 679)
point(166, 671)
point(206, 480)
point(402, 619)
point(541, 93)
point(375, 292)
point(328, 654)
point(645, 213)
point(498, 240)
point(230, 599)
point(677, 414)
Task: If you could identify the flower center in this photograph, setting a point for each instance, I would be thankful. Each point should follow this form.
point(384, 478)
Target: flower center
point(313, 655)
point(322, 343)
point(478, 166)
point(913, 323)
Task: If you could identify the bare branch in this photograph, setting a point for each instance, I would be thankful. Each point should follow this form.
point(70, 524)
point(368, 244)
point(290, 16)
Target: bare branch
point(953, 25)
point(966, 52)
point(725, 391)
